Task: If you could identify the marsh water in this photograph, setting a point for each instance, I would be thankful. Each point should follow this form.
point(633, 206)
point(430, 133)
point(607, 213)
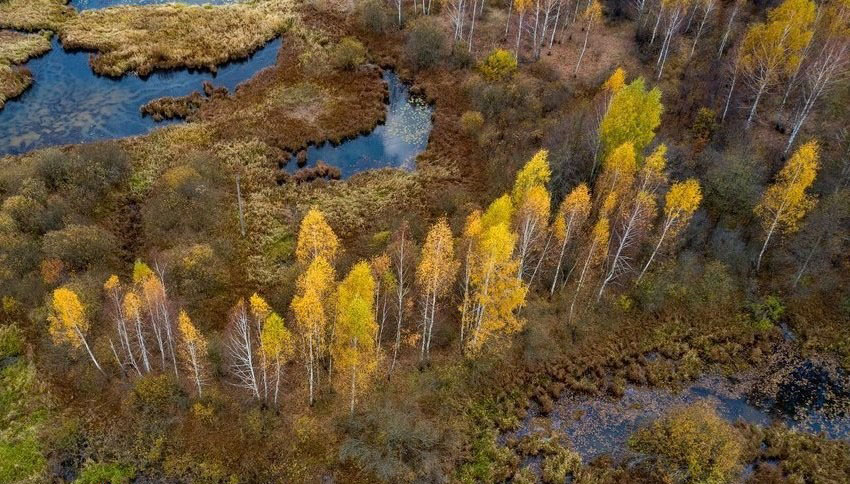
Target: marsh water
point(395, 143)
point(804, 394)
point(69, 103)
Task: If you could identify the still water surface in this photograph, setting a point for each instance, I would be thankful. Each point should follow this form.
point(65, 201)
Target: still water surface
point(69, 103)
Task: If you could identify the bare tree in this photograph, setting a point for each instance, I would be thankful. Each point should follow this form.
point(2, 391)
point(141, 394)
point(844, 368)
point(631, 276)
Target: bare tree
point(240, 348)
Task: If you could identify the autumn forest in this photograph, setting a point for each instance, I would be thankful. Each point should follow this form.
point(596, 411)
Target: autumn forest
point(449, 241)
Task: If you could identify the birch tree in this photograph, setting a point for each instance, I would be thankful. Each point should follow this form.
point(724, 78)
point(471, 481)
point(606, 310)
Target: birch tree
point(772, 49)
point(132, 308)
point(313, 289)
point(591, 16)
point(829, 66)
point(277, 347)
point(316, 238)
point(68, 322)
point(675, 14)
point(627, 237)
point(786, 202)
point(707, 7)
point(434, 275)
point(353, 346)
point(402, 252)
point(633, 116)
point(193, 350)
point(596, 248)
point(241, 350)
point(736, 5)
point(680, 203)
point(571, 216)
point(112, 287)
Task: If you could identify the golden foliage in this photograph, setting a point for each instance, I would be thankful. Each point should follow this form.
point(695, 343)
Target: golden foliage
point(535, 172)
point(67, 318)
point(786, 202)
point(316, 238)
point(572, 212)
point(437, 267)
point(633, 116)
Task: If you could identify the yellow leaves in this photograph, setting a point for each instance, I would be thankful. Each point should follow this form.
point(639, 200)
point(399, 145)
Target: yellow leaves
point(536, 205)
point(277, 343)
point(353, 345)
point(593, 12)
point(260, 309)
point(535, 172)
point(500, 211)
point(312, 289)
point(522, 5)
point(616, 81)
point(574, 209)
point(618, 172)
point(141, 272)
point(188, 331)
point(499, 65)
point(131, 305)
point(437, 266)
point(67, 317)
point(776, 46)
point(786, 202)
point(316, 238)
point(112, 283)
point(633, 116)
point(682, 200)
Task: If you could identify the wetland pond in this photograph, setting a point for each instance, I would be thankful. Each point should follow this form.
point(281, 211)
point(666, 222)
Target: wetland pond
point(393, 143)
point(69, 103)
point(807, 395)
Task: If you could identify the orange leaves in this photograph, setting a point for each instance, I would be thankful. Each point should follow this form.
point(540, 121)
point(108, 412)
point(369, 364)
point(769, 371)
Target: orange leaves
point(67, 318)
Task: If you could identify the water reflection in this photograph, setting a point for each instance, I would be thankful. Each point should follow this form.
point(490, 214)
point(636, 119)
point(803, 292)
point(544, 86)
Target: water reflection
point(392, 144)
point(68, 103)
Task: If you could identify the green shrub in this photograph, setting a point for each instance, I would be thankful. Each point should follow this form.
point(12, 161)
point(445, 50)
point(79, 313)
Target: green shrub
point(471, 122)
point(691, 444)
point(705, 124)
point(499, 65)
point(348, 54)
point(766, 313)
point(556, 467)
point(375, 17)
point(11, 341)
point(100, 473)
point(80, 246)
point(426, 43)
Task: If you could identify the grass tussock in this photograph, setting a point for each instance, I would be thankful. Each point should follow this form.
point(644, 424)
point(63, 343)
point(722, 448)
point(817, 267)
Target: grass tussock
point(32, 15)
point(142, 39)
point(13, 82)
point(16, 48)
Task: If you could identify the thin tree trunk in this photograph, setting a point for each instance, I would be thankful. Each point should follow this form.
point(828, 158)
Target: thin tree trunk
point(86, 344)
point(729, 97)
point(728, 29)
point(657, 246)
point(583, 47)
point(581, 278)
point(755, 104)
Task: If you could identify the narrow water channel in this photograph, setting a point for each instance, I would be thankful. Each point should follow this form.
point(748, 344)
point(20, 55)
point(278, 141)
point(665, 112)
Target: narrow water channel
point(69, 103)
point(395, 143)
point(805, 395)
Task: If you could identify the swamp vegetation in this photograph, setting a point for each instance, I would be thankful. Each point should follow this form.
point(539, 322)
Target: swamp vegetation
point(456, 241)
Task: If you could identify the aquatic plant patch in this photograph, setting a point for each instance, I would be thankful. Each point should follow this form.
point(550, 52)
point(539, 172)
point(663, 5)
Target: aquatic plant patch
point(142, 39)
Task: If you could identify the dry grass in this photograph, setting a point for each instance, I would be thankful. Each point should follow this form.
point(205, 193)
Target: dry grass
point(34, 15)
point(141, 39)
point(13, 82)
point(16, 48)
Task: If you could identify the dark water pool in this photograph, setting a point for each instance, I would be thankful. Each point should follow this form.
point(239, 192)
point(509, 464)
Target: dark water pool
point(68, 103)
point(392, 144)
